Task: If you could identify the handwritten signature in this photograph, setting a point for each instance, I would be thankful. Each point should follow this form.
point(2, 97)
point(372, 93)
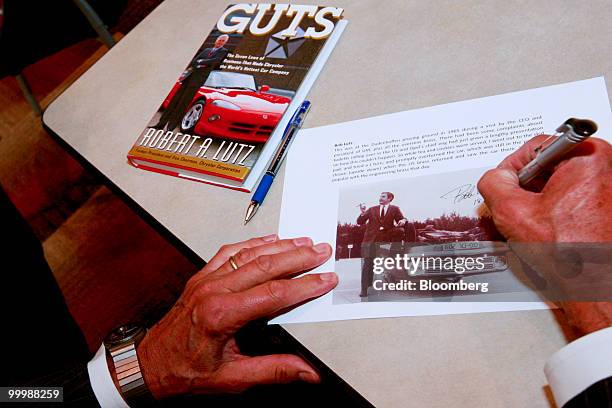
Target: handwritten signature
point(463, 192)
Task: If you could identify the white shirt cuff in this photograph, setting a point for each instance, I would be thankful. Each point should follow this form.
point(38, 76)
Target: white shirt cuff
point(579, 365)
point(102, 383)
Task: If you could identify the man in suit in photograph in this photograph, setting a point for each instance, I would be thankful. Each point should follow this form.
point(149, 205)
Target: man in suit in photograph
point(199, 69)
point(213, 55)
point(383, 223)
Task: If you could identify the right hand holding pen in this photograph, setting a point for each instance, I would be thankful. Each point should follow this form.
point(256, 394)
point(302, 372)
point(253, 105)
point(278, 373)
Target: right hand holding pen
point(574, 205)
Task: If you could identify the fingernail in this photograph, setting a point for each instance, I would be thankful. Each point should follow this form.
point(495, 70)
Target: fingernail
point(328, 277)
point(308, 376)
point(304, 241)
point(270, 238)
point(321, 248)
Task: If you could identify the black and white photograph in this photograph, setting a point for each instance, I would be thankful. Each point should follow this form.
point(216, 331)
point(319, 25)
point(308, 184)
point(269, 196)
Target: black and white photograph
point(439, 235)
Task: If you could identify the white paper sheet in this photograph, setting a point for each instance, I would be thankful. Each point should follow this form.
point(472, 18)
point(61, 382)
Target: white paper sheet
point(313, 204)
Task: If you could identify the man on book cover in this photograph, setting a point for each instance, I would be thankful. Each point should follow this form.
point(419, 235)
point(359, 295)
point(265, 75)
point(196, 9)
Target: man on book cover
point(199, 69)
point(383, 223)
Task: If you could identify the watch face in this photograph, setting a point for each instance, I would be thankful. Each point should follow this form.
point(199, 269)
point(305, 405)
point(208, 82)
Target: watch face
point(123, 333)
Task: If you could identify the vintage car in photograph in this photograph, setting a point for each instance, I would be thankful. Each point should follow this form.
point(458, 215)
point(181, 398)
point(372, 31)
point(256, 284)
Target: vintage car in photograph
point(492, 254)
point(438, 245)
point(231, 106)
point(429, 234)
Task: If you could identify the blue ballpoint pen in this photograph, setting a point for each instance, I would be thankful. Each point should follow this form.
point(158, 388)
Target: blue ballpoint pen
point(264, 185)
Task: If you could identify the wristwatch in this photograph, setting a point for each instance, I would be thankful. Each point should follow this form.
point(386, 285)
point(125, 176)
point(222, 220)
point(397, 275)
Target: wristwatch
point(124, 366)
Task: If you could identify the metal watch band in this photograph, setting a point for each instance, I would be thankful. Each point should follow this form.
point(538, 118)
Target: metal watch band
point(127, 370)
point(121, 347)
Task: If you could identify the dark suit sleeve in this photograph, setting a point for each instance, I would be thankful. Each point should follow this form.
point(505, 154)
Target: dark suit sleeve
point(75, 382)
point(363, 218)
point(201, 56)
point(398, 215)
point(216, 58)
point(46, 347)
point(596, 396)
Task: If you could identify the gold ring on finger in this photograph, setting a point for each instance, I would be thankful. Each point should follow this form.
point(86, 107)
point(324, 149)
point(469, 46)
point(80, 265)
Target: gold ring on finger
point(232, 262)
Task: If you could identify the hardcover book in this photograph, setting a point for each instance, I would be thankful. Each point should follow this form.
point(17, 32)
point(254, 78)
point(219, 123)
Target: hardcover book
point(226, 114)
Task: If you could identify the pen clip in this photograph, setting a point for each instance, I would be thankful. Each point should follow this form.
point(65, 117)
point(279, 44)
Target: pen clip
point(564, 127)
point(540, 147)
point(300, 113)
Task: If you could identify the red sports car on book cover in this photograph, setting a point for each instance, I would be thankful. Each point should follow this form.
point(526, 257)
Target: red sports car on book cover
point(231, 106)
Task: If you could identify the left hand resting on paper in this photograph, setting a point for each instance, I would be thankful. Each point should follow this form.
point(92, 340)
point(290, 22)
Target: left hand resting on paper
point(193, 349)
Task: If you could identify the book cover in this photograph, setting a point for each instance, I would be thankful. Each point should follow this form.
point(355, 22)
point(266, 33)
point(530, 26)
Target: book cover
point(225, 112)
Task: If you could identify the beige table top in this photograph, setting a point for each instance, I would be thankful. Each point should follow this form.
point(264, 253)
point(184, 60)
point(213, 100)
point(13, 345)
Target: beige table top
point(395, 55)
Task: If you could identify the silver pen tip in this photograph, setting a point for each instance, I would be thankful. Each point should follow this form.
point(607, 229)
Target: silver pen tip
point(250, 212)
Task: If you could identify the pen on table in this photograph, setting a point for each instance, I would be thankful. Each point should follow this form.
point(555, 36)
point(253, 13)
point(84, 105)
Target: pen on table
point(264, 185)
point(572, 132)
